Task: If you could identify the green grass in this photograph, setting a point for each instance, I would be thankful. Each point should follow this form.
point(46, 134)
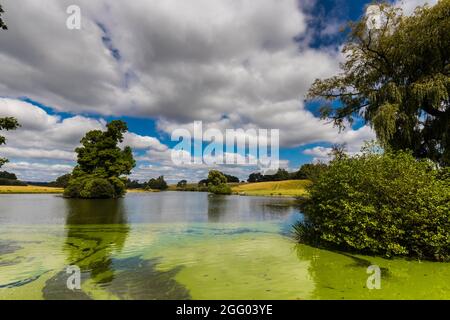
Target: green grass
point(28, 189)
point(288, 188)
point(189, 187)
point(50, 190)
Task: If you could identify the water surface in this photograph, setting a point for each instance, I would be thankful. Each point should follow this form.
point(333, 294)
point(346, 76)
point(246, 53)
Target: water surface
point(183, 245)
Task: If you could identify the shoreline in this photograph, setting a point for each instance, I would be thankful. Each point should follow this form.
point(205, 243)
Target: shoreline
point(272, 189)
point(47, 190)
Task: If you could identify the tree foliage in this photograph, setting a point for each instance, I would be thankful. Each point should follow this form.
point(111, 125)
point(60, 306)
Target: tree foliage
point(280, 175)
point(157, 184)
point(182, 184)
point(101, 163)
point(2, 23)
point(7, 123)
point(386, 204)
point(134, 184)
point(62, 181)
point(397, 77)
point(7, 175)
point(217, 183)
point(10, 179)
point(311, 171)
point(231, 179)
point(101, 155)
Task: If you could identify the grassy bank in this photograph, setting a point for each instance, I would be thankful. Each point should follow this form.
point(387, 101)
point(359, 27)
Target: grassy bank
point(188, 187)
point(28, 189)
point(38, 189)
point(288, 188)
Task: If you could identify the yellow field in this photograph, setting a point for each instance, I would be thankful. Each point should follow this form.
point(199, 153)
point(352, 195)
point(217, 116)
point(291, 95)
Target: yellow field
point(29, 189)
point(36, 189)
point(288, 188)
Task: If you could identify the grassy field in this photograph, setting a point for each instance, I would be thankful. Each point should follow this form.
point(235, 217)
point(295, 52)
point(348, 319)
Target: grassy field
point(288, 188)
point(36, 189)
point(189, 186)
point(29, 189)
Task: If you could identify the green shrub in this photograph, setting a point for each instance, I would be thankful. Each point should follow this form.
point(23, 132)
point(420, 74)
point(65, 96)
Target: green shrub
point(220, 189)
point(93, 187)
point(74, 188)
point(384, 204)
point(97, 188)
point(119, 186)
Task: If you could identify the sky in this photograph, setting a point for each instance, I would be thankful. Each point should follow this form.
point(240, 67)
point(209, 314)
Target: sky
point(163, 64)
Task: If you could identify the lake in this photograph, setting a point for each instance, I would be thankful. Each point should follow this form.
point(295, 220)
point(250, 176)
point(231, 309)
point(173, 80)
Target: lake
point(185, 245)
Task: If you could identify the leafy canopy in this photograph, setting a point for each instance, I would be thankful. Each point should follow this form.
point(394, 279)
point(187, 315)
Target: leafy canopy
point(101, 164)
point(157, 184)
point(62, 181)
point(182, 184)
point(397, 77)
point(2, 23)
point(101, 155)
point(7, 123)
point(217, 183)
point(386, 204)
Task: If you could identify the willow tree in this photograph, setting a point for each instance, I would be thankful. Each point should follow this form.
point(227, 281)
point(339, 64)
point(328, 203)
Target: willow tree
point(396, 76)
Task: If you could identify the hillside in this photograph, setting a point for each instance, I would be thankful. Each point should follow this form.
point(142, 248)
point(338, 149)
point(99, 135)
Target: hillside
point(288, 188)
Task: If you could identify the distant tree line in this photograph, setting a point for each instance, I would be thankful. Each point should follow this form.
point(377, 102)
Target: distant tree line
point(154, 184)
point(10, 179)
point(309, 171)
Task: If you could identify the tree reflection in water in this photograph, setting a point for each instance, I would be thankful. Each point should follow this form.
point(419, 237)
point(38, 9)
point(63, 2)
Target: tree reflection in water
point(96, 231)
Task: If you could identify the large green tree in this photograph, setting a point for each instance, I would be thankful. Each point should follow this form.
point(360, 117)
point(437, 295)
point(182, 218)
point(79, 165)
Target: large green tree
point(217, 183)
point(396, 75)
point(101, 164)
point(7, 123)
